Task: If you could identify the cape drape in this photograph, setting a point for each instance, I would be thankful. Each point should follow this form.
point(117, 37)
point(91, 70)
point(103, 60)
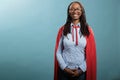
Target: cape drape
point(90, 54)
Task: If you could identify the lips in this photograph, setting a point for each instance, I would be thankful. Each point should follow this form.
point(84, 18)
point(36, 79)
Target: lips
point(75, 16)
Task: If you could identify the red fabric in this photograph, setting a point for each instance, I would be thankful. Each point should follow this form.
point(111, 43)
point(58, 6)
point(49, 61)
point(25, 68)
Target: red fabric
point(72, 34)
point(90, 56)
point(76, 34)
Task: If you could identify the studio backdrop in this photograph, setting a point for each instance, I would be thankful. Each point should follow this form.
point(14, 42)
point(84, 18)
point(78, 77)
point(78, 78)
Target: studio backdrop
point(28, 30)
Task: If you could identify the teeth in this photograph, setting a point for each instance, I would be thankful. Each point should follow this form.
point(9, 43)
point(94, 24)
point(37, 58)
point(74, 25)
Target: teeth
point(75, 15)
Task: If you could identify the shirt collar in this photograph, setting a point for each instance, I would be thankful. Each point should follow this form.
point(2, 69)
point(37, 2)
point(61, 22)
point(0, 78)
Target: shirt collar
point(71, 25)
point(78, 24)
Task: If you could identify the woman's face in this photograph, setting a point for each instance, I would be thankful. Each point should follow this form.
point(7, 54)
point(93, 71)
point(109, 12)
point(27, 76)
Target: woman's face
point(75, 11)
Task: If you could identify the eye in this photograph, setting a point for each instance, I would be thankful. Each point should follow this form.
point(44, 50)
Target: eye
point(73, 9)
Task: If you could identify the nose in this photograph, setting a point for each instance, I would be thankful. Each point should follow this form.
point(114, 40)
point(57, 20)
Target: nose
point(75, 11)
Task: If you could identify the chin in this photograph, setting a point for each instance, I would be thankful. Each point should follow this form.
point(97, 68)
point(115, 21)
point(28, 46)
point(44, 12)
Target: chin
point(75, 18)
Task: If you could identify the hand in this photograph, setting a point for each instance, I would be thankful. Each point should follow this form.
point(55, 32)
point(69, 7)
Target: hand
point(69, 71)
point(77, 72)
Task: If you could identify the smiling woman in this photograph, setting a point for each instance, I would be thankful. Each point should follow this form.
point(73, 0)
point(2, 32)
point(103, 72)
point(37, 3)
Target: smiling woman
point(75, 50)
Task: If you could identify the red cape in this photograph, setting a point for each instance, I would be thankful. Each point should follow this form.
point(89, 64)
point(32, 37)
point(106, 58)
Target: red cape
point(90, 56)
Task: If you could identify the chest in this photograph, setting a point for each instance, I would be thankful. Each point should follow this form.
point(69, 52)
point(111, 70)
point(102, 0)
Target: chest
point(68, 41)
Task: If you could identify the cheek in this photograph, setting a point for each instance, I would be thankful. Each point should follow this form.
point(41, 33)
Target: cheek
point(81, 13)
point(70, 13)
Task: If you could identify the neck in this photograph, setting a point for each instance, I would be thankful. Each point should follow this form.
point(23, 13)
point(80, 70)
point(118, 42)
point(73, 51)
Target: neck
point(75, 22)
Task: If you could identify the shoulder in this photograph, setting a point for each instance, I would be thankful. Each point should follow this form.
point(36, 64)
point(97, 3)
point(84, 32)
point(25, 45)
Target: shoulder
point(90, 30)
point(61, 28)
point(60, 31)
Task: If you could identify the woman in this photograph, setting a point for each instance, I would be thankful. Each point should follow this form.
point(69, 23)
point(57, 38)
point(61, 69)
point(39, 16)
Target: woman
point(75, 50)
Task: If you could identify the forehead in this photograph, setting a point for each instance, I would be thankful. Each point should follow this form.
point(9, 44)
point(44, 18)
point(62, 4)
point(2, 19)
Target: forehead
point(75, 5)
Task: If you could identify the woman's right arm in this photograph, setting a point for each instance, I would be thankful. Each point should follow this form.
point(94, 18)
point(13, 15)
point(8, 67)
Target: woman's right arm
point(59, 55)
point(60, 59)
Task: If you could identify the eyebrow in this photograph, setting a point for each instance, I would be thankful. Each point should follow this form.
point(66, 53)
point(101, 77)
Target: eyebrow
point(76, 8)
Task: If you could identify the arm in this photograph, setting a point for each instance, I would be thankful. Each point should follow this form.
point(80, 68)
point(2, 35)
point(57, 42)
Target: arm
point(83, 66)
point(61, 61)
point(59, 55)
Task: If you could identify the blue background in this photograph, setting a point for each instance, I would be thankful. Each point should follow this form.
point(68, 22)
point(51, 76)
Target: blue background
point(28, 29)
